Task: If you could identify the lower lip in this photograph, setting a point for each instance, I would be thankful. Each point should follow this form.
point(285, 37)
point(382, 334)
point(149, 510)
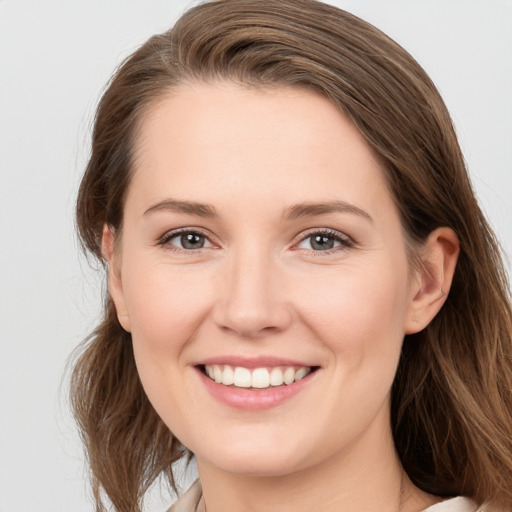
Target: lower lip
point(250, 399)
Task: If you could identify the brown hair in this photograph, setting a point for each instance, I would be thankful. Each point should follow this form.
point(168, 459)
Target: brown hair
point(452, 396)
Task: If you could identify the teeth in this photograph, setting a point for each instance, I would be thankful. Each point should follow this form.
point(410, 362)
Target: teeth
point(301, 373)
point(242, 377)
point(276, 377)
point(228, 376)
point(289, 375)
point(259, 378)
point(217, 374)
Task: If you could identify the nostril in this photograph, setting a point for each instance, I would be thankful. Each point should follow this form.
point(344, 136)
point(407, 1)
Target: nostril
point(253, 307)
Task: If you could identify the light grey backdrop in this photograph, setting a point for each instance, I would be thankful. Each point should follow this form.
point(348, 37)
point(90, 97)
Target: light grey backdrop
point(54, 59)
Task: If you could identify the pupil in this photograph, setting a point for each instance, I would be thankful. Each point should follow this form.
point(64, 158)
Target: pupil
point(192, 241)
point(322, 242)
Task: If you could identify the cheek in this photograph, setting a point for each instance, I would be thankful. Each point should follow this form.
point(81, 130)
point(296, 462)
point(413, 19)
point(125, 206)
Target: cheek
point(355, 308)
point(160, 306)
point(359, 318)
point(165, 305)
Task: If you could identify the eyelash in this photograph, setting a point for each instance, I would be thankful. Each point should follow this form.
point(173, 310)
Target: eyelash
point(344, 241)
point(165, 240)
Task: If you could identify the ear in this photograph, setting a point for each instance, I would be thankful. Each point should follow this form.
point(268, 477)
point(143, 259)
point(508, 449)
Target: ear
point(432, 278)
point(115, 284)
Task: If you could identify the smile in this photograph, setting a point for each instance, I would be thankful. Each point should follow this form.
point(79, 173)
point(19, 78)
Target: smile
point(255, 383)
point(257, 378)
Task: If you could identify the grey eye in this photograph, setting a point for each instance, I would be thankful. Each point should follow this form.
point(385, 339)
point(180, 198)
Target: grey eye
point(322, 242)
point(189, 240)
point(325, 240)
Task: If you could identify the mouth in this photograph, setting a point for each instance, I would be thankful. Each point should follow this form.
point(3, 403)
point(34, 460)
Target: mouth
point(264, 377)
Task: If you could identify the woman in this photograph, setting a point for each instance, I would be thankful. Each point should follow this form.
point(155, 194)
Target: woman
point(303, 292)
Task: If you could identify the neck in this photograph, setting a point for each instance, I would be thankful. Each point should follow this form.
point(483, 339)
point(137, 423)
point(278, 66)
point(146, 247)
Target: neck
point(366, 476)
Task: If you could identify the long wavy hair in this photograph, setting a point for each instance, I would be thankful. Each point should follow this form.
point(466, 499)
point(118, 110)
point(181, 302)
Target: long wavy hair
point(452, 397)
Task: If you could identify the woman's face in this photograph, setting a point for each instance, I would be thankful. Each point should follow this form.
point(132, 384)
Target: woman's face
point(261, 249)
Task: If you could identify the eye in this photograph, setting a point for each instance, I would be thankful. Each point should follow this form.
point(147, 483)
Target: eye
point(325, 241)
point(187, 240)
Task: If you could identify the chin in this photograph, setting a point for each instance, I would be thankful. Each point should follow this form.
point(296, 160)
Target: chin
point(260, 466)
point(262, 459)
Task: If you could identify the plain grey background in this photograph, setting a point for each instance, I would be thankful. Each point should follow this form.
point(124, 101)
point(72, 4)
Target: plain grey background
point(55, 57)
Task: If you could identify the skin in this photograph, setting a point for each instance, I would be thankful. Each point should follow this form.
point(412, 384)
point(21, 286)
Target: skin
point(259, 287)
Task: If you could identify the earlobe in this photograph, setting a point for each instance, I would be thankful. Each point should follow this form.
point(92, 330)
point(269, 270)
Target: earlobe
point(115, 284)
point(433, 278)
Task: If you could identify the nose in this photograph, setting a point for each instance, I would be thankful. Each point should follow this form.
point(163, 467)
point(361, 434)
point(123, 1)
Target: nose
point(252, 302)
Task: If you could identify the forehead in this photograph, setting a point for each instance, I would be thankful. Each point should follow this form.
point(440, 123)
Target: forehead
point(212, 140)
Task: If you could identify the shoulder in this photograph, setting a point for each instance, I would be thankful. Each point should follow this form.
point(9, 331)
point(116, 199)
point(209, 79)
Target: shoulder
point(459, 504)
point(189, 501)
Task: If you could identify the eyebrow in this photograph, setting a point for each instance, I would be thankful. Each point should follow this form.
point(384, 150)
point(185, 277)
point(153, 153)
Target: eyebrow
point(190, 207)
point(301, 210)
point(312, 209)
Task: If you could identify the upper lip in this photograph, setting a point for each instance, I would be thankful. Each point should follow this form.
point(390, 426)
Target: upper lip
point(252, 362)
